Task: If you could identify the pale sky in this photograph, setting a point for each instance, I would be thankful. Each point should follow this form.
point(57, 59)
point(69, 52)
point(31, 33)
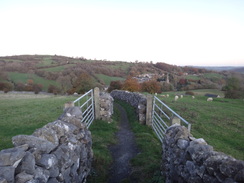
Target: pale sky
point(179, 32)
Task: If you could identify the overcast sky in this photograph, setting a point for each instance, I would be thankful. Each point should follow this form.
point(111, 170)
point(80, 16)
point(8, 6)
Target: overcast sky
point(179, 32)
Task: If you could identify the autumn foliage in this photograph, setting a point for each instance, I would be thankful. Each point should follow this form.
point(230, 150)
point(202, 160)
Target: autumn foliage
point(131, 85)
point(115, 85)
point(151, 86)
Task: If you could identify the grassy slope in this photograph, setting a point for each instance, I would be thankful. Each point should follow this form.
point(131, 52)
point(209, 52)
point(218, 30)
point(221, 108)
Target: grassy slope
point(57, 68)
point(220, 123)
point(23, 77)
point(108, 79)
point(22, 114)
point(47, 61)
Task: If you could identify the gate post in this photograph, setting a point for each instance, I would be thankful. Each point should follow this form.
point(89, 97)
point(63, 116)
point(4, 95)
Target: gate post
point(174, 120)
point(149, 110)
point(97, 103)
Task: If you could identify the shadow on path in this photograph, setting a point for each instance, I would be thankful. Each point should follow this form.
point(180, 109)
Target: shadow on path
point(123, 151)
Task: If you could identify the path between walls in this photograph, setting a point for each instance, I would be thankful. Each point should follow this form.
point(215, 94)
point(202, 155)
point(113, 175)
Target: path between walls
point(123, 151)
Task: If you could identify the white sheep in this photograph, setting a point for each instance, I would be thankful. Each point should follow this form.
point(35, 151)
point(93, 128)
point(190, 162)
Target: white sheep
point(167, 95)
point(210, 99)
point(163, 96)
point(181, 96)
point(176, 98)
point(193, 97)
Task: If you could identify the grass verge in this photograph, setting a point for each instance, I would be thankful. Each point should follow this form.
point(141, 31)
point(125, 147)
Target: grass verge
point(146, 165)
point(103, 135)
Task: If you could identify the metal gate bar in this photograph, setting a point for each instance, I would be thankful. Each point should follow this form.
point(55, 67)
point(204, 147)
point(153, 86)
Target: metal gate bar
point(161, 118)
point(86, 104)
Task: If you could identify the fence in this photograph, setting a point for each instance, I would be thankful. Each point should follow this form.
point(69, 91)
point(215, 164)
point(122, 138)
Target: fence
point(163, 117)
point(86, 104)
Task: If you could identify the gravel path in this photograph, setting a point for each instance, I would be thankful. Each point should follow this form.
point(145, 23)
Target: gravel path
point(123, 151)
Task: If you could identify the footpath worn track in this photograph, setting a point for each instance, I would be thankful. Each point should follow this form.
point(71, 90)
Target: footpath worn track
point(123, 151)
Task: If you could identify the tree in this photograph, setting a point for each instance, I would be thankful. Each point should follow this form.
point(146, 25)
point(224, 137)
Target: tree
point(37, 88)
point(115, 85)
point(233, 89)
point(20, 86)
point(65, 83)
point(6, 86)
point(151, 87)
point(83, 83)
point(53, 89)
point(166, 86)
point(131, 84)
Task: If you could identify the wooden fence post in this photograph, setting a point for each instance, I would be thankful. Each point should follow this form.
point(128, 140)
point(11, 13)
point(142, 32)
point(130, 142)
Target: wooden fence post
point(97, 103)
point(149, 110)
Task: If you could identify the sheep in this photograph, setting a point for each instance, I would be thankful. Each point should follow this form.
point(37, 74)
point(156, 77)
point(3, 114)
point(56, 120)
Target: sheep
point(163, 96)
point(167, 95)
point(176, 98)
point(210, 99)
point(193, 97)
point(181, 96)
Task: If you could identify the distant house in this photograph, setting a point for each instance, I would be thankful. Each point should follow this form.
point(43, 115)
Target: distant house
point(212, 95)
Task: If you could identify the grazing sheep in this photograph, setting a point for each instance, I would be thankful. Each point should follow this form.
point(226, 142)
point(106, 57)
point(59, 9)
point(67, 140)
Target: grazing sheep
point(176, 98)
point(163, 96)
point(155, 94)
point(210, 99)
point(181, 96)
point(193, 97)
point(167, 95)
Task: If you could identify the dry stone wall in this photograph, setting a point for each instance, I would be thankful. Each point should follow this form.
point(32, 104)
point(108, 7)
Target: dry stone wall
point(186, 159)
point(106, 106)
point(137, 100)
point(61, 151)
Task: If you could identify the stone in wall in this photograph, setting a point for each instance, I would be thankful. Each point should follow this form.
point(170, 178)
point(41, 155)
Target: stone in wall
point(106, 106)
point(186, 159)
point(136, 100)
point(60, 151)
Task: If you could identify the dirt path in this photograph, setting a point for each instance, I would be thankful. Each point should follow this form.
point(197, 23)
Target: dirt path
point(124, 151)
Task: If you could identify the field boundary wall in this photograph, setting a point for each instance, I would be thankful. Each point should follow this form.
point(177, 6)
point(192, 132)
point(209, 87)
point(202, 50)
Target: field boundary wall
point(61, 151)
point(187, 159)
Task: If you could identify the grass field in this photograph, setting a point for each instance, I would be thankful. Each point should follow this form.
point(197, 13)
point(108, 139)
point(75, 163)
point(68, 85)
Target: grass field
point(24, 113)
point(23, 77)
point(220, 123)
point(199, 92)
point(58, 68)
point(213, 75)
point(108, 79)
point(192, 77)
point(47, 61)
point(124, 66)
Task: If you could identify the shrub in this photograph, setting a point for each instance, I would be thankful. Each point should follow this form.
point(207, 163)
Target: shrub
point(115, 85)
point(151, 87)
point(6, 87)
point(131, 85)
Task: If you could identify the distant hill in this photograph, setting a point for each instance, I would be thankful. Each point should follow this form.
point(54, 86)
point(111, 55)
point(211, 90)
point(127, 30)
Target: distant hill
point(223, 68)
point(61, 74)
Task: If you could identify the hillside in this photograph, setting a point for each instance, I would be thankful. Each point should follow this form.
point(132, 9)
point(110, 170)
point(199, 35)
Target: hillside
point(223, 68)
point(60, 74)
